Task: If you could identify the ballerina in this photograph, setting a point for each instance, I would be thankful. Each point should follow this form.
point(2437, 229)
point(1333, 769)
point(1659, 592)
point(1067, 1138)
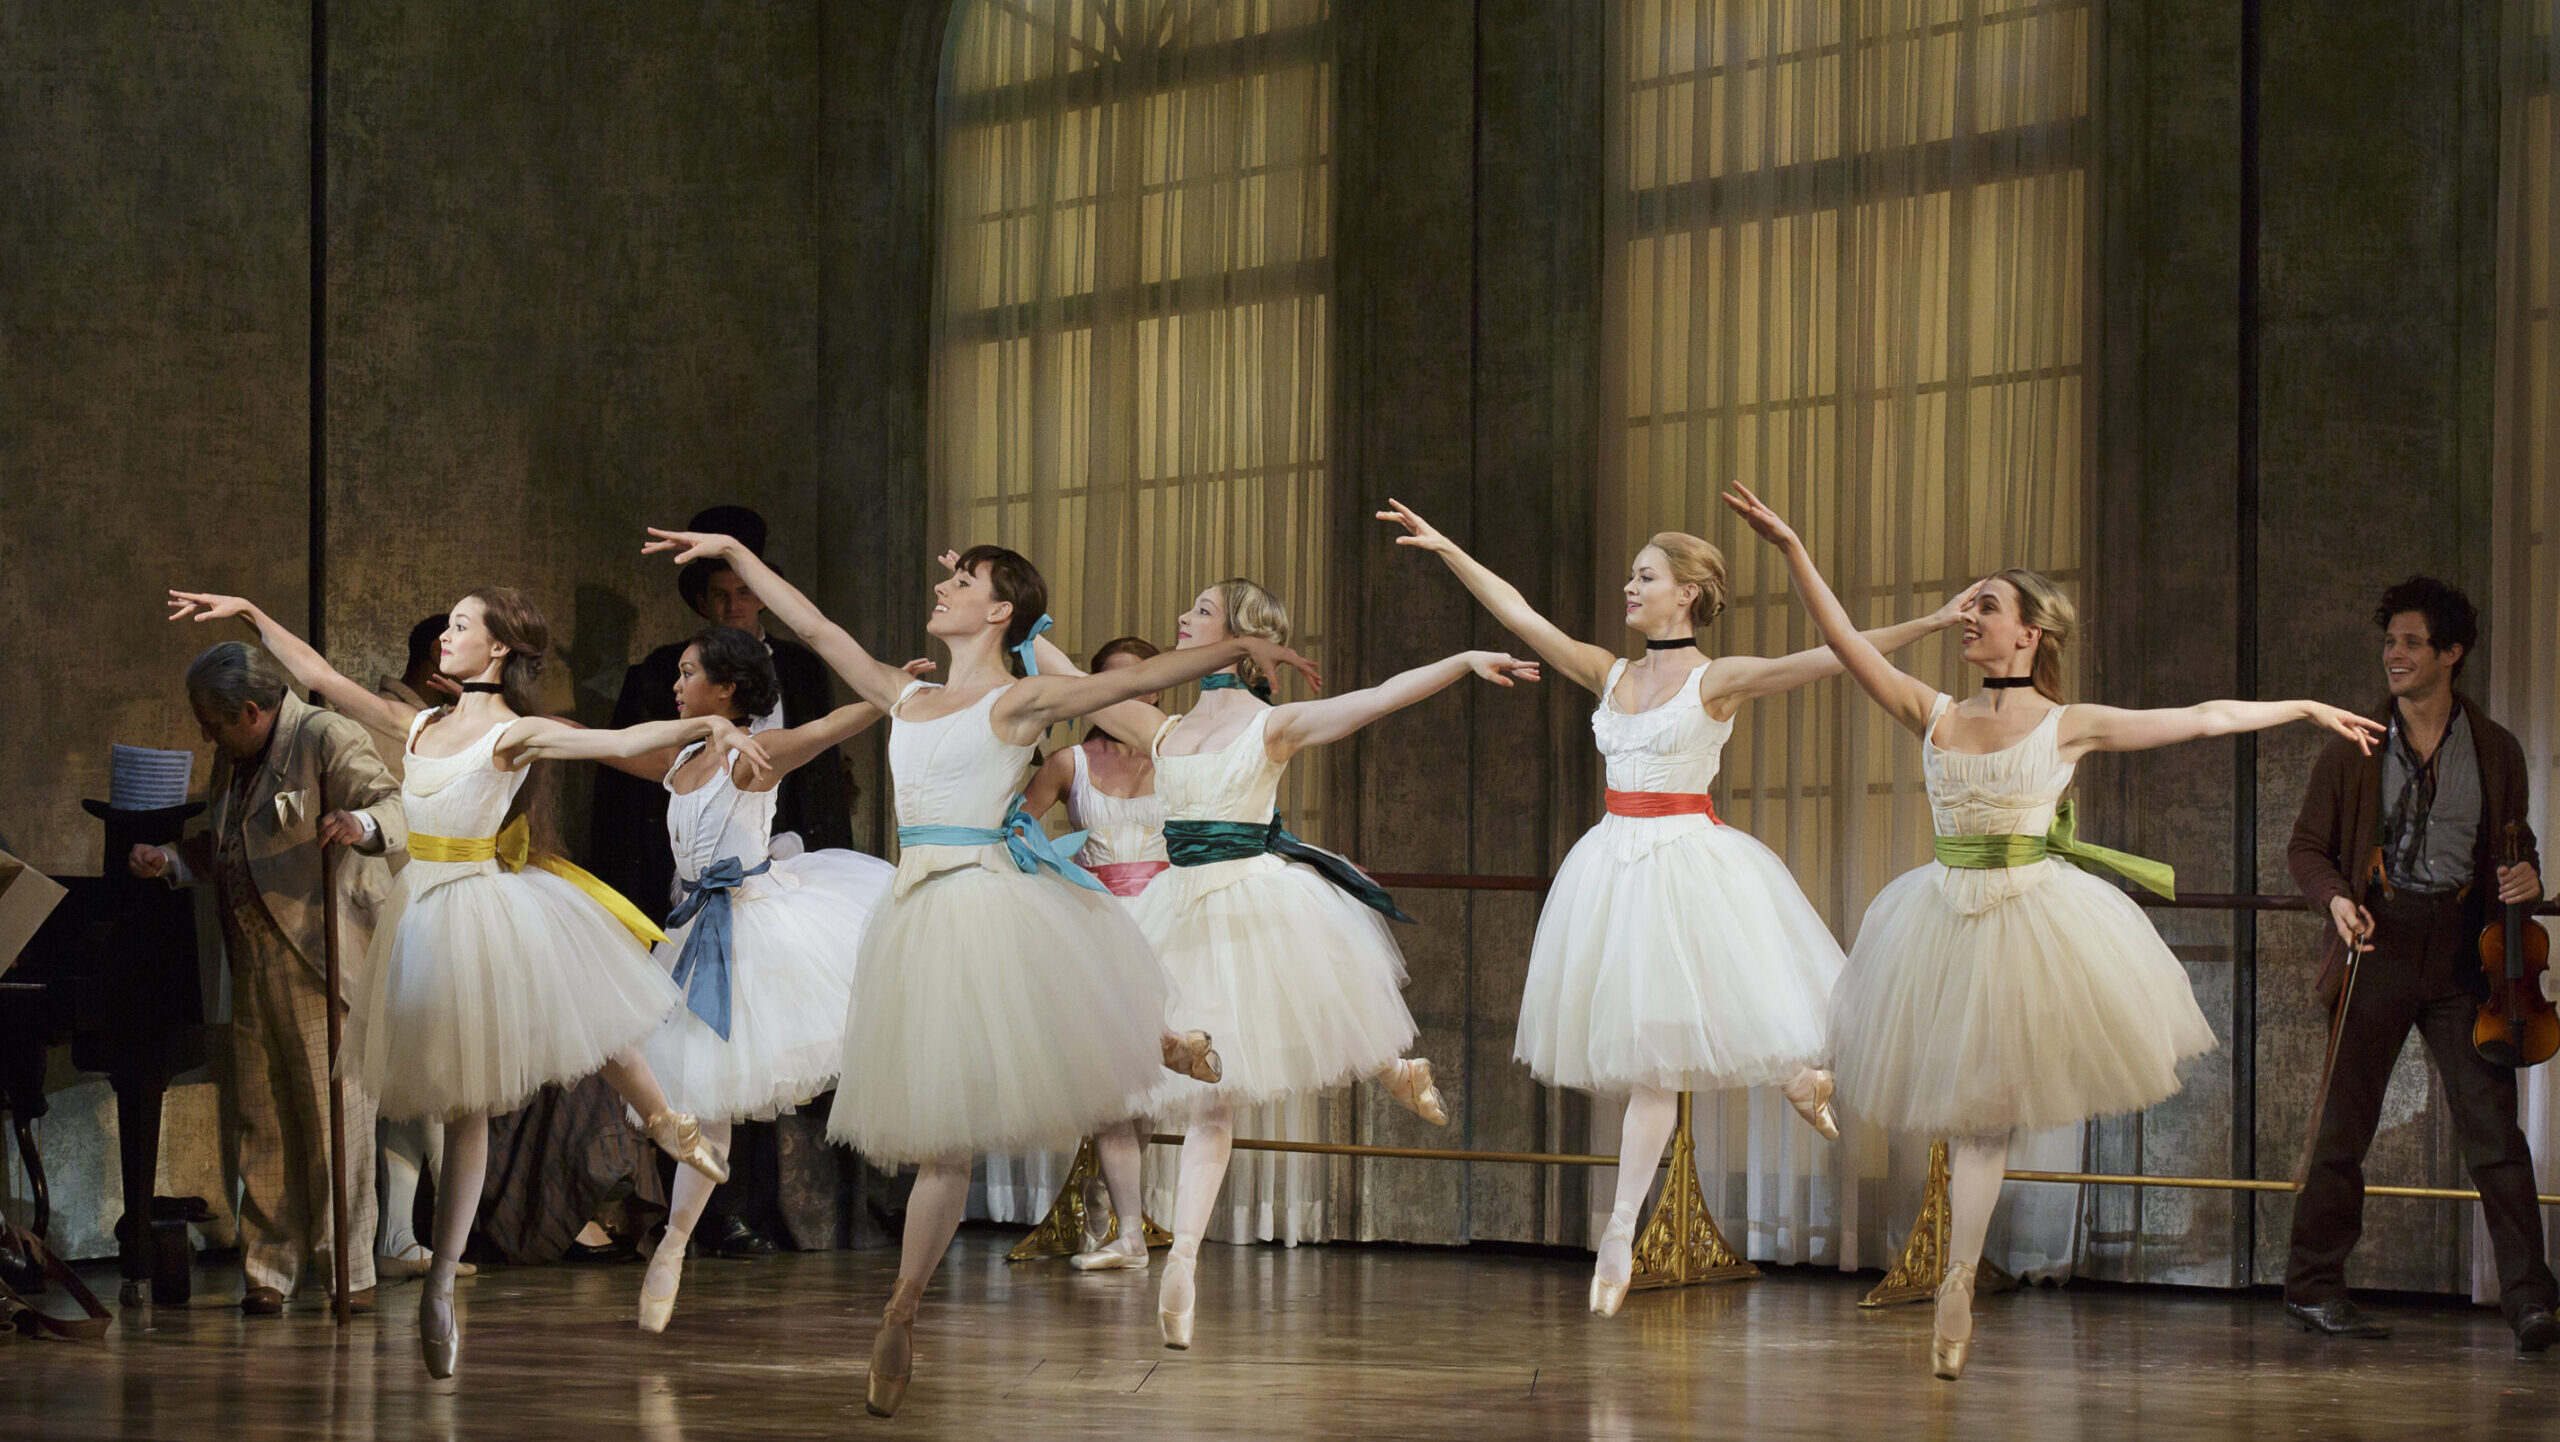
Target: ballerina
point(1109, 786)
point(1002, 1000)
point(1277, 949)
point(1997, 989)
point(762, 941)
point(1674, 953)
point(488, 982)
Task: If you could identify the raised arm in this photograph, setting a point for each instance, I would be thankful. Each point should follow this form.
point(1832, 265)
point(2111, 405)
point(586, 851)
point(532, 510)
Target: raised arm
point(871, 678)
point(1905, 698)
point(1734, 680)
point(1135, 722)
point(379, 713)
point(1580, 662)
point(648, 749)
point(2109, 728)
point(1039, 702)
point(1301, 724)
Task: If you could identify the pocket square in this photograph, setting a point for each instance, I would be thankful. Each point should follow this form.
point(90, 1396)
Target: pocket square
point(290, 808)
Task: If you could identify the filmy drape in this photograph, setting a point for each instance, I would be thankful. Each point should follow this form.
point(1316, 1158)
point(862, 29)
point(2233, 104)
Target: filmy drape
point(1129, 356)
point(2523, 618)
point(1847, 241)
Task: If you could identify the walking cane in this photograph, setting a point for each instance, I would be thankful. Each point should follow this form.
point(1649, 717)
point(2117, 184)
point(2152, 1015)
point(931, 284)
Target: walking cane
point(341, 1305)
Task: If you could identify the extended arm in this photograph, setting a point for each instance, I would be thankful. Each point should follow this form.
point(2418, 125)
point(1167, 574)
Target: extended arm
point(871, 678)
point(792, 749)
point(1736, 679)
point(2109, 728)
point(1049, 783)
point(1905, 698)
point(1133, 721)
point(1302, 724)
point(1041, 701)
point(1580, 662)
point(304, 664)
point(649, 748)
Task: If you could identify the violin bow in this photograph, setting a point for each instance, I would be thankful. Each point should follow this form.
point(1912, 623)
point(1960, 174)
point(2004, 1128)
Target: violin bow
point(2328, 1068)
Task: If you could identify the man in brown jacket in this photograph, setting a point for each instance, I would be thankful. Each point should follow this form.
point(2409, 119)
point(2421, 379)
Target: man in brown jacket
point(2400, 850)
point(288, 779)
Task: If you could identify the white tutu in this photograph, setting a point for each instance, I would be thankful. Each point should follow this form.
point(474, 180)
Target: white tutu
point(2053, 1006)
point(1295, 981)
point(487, 985)
point(1675, 953)
point(996, 1011)
point(793, 932)
point(2007, 998)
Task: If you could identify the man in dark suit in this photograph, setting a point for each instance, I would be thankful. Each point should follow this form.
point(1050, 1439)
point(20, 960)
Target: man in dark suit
point(2402, 850)
point(628, 844)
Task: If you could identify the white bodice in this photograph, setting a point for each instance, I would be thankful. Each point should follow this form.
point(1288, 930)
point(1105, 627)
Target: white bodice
point(1676, 746)
point(1237, 782)
point(463, 797)
point(716, 819)
point(1120, 829)
point(2009, 792)
point(951, 771)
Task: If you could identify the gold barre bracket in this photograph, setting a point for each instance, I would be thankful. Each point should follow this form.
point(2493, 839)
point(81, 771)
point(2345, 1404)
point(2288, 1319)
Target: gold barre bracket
point(1682, 1246)
point(1067, 1228)
point(1923, 1263)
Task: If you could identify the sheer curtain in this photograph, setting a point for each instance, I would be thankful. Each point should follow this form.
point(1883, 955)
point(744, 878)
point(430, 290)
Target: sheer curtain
point(1129, 386)
point(1847, 241)
point(2524, 608)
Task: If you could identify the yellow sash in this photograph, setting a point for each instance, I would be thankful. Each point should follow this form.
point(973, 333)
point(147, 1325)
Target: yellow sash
point(512, 848)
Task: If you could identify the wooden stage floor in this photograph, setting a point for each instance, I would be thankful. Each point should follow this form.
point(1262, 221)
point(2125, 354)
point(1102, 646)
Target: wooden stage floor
point(1316, 1342)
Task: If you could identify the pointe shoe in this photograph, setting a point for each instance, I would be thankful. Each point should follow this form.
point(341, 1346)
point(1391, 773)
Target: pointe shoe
point(1189, 1053)
point(1112, 1256)
point(1409, 1082)
point(893, 1351)
point(1176, 1326)
point(1812, 1101)
point(680, 1136)
point(444, 1353)
point(1947, 1355)
point(666, 1262)
point(1606, 1295)
point(414, 1261)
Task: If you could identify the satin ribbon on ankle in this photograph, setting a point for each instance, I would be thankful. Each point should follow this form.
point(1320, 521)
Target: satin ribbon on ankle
point(1032, 849)
point(702, 968)
point(1205, 843)
point(1997, 853)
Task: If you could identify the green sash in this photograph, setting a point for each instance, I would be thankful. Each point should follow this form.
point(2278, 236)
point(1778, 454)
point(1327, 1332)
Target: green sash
point(1995, 853)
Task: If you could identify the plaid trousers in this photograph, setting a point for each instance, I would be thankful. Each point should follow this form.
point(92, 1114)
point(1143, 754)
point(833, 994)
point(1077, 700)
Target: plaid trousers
point(279, 1101)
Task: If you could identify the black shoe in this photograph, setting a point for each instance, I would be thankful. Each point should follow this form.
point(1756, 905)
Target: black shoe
point(736, 1239)
point(2335, 1319)
point(262, 1302)
point(615, 1251)
point(2536, 1329)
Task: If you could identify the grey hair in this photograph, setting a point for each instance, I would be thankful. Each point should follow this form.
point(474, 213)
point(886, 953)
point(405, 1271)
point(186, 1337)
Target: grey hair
point(232, 676)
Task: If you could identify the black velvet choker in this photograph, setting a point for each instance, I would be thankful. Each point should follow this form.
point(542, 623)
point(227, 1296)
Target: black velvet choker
point(490, 687)
point(1681, 643)
point(2006, 683)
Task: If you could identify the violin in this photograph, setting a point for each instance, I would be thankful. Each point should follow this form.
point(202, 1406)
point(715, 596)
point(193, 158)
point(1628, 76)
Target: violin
point(2516, 1026)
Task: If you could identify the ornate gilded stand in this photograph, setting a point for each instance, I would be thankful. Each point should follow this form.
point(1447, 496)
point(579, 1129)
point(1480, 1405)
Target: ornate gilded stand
point(1062, 1233)
point(1923, 1263)
point(1681, 1246)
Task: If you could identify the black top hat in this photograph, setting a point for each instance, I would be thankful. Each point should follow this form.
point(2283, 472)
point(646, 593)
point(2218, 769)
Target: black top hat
point(738, 522)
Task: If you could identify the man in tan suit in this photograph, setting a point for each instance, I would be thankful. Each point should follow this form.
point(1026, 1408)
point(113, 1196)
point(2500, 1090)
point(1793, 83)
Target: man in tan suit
point(288, 779)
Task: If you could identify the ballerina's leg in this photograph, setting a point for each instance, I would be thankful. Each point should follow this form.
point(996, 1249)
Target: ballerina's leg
point(1123, 1151)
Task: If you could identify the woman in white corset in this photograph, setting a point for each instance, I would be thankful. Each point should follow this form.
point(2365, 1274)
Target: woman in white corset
point(1998, 987)
point(1110, 790)
point(1674, 953)
point(497, 968)
point(1002, 1000)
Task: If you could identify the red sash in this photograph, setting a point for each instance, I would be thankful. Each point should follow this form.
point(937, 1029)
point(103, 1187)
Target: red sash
point(1663, 803)
point(1128, 878)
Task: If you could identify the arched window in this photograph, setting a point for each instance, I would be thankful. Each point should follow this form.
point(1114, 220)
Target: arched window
point(1130, 306)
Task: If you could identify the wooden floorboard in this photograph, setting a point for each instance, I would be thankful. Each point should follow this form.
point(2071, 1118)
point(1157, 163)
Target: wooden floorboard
point(1312, 1342)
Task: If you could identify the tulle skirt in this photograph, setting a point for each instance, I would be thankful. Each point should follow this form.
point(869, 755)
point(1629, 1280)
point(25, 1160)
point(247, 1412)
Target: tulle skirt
point(1297, 984)
point(793, 932)
point(996, 1011)
point(2053, 1005)
point(482, 988)
point(1675, 953)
